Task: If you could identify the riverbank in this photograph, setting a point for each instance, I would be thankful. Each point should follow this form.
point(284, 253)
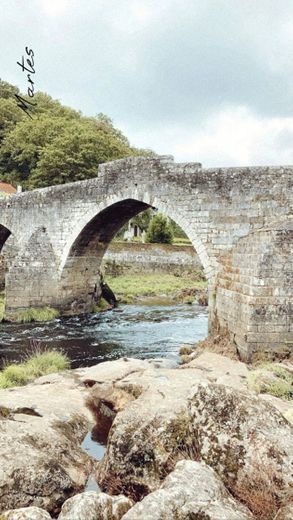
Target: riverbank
point(168, 425)
point(136, 287)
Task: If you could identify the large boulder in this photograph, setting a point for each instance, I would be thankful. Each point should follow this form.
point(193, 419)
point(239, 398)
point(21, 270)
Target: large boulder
point(95, 506)
point(27, 513)
point(241, 437)
point(192, 490)
point(41, 461)
point(184, 414)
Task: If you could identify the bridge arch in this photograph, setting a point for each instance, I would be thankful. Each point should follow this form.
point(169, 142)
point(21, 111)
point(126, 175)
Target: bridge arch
point(92, 235)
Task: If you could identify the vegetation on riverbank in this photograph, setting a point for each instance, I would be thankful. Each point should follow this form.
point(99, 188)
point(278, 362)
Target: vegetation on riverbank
point(39, 364)
point(130, 288)
point(30, 314)
point(36, 314)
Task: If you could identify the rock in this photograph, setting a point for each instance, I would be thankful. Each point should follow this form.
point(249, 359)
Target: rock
point(184, 414)
point(285, 513)
point(192, 490)
point(95, 506)
point(241, 437)
point(41, 462)
point(221, 369)
point(41, 428)
point(26, 513)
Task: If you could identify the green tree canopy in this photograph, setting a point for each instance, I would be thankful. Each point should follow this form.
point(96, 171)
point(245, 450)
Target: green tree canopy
point(57, 145)
point(159, 230)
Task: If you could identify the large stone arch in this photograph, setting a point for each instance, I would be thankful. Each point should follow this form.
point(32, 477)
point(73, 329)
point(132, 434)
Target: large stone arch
point(88, 242)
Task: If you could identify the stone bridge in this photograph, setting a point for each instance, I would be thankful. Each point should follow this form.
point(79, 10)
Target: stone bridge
point(238, 219)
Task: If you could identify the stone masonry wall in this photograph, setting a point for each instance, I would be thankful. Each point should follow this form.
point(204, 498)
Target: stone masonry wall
point(125, 257)
point(254, 291)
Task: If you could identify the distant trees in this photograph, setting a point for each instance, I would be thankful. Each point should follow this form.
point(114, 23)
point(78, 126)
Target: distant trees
point(58, 145)
point(159, 230)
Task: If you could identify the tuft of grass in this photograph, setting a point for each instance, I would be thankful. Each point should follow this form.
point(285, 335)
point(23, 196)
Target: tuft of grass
point(47, 362)
point(272, 379)
point(37, 314)
point(41, 363)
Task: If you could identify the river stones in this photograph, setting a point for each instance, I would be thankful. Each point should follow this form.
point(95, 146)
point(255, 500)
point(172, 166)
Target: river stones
point(92, 506)
point(192, 490)
point(27, 513)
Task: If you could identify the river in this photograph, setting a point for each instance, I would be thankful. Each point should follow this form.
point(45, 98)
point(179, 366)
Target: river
point(141, 331)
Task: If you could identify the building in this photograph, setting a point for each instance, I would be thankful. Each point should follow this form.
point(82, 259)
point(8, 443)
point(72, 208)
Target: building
point(7, 189)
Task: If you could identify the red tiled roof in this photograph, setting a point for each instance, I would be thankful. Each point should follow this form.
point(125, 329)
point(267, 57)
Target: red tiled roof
point(7, 188)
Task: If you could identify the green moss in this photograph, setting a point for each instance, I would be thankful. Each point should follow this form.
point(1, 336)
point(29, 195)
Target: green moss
point(272, 379)
point(36, 314)
point(41, 363)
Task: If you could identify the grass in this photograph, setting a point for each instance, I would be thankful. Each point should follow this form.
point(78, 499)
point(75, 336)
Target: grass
point(30, 314)
point(39, 364)
point(273, 379)
point(127, 288)
point(36, 314)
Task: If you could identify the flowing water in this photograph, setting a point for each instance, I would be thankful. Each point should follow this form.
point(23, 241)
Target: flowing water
point(141, 331)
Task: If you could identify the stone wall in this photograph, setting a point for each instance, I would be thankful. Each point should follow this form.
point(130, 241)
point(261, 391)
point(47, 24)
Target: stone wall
point(54, 239)
point(125, 257)
point(254, 291)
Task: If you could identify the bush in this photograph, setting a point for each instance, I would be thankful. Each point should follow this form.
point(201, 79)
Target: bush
point(159, 231)
point(41, 363)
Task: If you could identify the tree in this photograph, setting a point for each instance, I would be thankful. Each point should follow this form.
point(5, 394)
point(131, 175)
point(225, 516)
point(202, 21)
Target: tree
point(159, 230)
point(57, 145)
point(143, 219)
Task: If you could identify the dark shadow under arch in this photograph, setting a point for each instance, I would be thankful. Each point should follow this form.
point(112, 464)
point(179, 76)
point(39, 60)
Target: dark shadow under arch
point(104, 226)
point(4, 234)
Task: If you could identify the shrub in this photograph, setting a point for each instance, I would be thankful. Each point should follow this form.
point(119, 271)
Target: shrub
point(159, 231)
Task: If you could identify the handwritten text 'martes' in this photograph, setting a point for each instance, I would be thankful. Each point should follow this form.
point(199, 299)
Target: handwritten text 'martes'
point(28, 65)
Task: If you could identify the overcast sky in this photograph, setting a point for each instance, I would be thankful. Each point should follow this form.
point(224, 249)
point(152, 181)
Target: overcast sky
point(203, 80)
